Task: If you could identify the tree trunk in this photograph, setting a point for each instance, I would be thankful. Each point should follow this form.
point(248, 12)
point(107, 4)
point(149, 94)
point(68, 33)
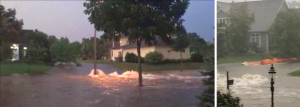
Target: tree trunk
point(180, 60)
point(139, 62)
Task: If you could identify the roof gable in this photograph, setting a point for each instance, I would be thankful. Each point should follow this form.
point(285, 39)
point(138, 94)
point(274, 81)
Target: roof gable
point(264, 12)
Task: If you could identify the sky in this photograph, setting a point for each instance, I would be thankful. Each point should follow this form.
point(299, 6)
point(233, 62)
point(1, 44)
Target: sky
point(66, 18)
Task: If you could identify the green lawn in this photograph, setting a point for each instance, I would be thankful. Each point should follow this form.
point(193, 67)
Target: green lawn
point(295, 73)
point(11, 68)
point(240, 59)
point(148, 67)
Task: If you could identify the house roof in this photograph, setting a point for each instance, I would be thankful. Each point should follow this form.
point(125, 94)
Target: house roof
point(264, 12)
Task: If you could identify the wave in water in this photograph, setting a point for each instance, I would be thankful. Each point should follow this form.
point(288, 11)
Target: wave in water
point(247, 84)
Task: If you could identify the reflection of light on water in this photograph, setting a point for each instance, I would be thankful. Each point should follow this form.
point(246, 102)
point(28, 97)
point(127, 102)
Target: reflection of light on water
point(116, 82)
point(247, 84)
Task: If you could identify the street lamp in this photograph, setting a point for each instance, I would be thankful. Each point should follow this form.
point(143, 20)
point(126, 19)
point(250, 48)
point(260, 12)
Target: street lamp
point(272, 73)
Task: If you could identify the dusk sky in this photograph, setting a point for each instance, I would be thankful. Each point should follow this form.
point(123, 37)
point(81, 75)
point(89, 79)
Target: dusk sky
point(66, 18)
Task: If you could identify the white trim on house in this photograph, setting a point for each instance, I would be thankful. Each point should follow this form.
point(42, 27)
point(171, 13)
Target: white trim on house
point(254, 35)
point(220, 8)
point(225, 19)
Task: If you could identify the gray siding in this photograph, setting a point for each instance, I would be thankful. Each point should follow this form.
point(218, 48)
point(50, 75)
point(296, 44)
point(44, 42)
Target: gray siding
point(221, 14)
point(264, 43)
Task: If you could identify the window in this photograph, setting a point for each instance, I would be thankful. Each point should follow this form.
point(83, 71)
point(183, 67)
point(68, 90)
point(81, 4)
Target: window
point(255, 38)
point(223, 20)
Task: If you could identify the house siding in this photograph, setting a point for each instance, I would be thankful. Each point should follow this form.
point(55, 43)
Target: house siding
point(123, 41)
point(221, 14)
point(263, 41)
point(168, 54)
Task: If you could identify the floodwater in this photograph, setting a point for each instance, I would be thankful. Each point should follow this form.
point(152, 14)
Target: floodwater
point(71, 86)
point(252, 84)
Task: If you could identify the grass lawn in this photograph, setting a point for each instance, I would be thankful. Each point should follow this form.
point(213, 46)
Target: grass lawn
point(240, 59)
point(149, 67)
point(11, 68)
point(295, 73)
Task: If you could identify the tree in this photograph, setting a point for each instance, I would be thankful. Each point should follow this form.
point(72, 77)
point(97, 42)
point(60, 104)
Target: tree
point(10, 28)
point(51, 39)
point(286, 34)
point(38, 39)
point(180, 43)
point(138, 20)
point(86, 47)
point(227, 100)
point(207, 96)
point(223, 44)
point(35, 54)
point(59, 50)
point(240, 20)
point(197, 44)
point(63, 51)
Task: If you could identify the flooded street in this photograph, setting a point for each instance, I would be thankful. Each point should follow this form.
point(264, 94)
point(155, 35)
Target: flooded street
point(72, 87)
point(252, 85)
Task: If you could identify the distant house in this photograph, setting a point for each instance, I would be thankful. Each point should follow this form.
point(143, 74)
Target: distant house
point(265, 13)
point(19, 47)
point(119, 49)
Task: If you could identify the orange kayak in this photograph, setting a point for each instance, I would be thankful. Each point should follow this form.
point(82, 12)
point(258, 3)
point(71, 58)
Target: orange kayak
point(269, 61)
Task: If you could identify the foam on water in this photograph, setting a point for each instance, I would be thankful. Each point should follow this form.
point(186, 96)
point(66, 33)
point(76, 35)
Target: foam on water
point(134, 74)
point(247, 84)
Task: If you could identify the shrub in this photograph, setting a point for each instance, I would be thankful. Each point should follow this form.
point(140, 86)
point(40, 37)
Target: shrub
point(175, 60)
point(131, 57)
point(154, 57)
point(227, 100)
point(197, 57)
point(142, 59)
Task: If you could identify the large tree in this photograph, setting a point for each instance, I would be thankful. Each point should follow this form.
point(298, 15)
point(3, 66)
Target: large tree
point(240, 19)
point(10, 28)
point(223, 44)
point(38, 39)
point(286, 34)
point(139, 20)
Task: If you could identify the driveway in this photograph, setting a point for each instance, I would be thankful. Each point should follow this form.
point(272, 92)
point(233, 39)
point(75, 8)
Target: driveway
point(65, 86)
point(252, 85)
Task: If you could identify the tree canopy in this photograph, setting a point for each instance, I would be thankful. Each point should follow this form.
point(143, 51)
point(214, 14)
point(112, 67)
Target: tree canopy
point(286, 34)
point(197, 44)
point(10, 28)
point(139, 20)
point(240, 19)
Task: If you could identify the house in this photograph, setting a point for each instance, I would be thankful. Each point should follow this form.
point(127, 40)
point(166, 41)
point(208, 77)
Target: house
point(122, 47)
point(265, 13)
point(19, 46)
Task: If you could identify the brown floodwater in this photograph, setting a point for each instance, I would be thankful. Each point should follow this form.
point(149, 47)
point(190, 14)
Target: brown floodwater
point(71, 86)
point(252, 85)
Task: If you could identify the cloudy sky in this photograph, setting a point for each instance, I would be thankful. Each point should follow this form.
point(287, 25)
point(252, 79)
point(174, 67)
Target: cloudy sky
point(66, 18)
